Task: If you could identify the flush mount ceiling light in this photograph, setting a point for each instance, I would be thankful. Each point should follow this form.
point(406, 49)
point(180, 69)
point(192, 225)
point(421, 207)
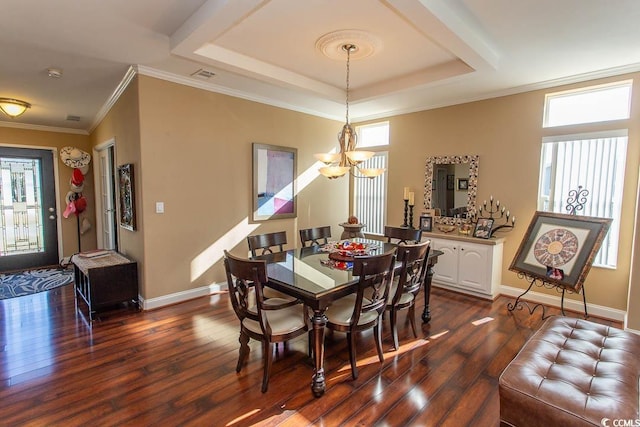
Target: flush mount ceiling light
point(348, 159)
point(54, 73)
point(13, 107)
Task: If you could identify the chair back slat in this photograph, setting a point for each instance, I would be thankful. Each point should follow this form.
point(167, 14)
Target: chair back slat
point(375, 276)
point(267, 242)
point(413, 269)
point(315, 236)
point(245, 277)
point(402, 235)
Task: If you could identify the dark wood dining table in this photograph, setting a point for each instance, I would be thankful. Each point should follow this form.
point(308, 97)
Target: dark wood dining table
point(303, 274)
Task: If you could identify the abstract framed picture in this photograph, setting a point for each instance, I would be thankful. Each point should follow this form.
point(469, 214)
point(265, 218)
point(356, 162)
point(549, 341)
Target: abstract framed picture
point(560, 248)
point(426, 223)
point(274, 182)
point(127, 197)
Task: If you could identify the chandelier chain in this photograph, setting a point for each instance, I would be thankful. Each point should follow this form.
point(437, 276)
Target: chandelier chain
point(348, 48)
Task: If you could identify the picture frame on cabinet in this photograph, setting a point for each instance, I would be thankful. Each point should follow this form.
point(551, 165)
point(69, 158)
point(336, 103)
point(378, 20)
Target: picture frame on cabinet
point(483, 228)
point(560, 248)
point(426, 223)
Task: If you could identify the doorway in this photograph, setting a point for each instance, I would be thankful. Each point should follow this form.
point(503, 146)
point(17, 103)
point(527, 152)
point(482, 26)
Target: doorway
point(28, 214)
point(105, 189)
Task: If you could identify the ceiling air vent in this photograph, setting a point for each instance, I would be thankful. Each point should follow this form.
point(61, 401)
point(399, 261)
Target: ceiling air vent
point(203, 74)
point(73, 118)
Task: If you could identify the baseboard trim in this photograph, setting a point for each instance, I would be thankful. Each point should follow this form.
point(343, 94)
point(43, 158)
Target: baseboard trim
point(532, 296)
point(569, 304)
point(178, 297)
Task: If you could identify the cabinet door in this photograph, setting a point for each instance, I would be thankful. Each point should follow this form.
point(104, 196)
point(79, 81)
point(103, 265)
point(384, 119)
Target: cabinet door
point(474, 267)
point(446, 269)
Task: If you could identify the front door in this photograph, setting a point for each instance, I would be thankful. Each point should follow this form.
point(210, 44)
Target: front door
point(28, 216)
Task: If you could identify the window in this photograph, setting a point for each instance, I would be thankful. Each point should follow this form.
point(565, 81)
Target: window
point(373, 135)
point(596, 162)
point(370, 195)
point(588, 105)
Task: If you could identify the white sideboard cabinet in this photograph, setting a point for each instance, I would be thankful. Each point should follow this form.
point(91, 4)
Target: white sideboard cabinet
point(469, 265)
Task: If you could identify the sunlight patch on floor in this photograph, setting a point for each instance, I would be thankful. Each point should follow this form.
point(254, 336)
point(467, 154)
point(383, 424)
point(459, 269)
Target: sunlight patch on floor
point(436, 336)
point(482, 321)
point(239, 420)
point(404, 348)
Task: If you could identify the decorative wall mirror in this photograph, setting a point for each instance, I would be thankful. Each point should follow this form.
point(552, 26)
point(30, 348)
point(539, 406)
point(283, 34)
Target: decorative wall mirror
point(450, 188)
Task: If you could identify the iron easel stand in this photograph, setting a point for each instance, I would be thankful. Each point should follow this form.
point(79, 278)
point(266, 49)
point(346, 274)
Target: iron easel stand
point(519, 304)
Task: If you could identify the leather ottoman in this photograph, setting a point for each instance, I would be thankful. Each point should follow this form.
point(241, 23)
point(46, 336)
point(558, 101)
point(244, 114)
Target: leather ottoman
point(572, 372)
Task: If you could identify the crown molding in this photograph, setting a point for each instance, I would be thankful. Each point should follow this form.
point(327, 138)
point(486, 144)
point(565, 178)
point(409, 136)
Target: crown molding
point(124, 83)
point(42, 128)
point(174, 78)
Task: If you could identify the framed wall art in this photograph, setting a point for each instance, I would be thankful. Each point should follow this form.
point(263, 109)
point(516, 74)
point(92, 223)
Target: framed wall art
point(274, 182)
point(127, 197)
point(463, 184)
point(560, 248)
point(450, 181)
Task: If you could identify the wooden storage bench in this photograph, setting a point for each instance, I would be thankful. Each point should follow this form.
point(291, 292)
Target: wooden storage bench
point(572, 372)
point(105, 280)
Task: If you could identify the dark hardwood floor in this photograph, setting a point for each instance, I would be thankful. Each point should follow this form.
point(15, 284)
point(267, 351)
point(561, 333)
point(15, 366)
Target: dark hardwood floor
point(176, 366)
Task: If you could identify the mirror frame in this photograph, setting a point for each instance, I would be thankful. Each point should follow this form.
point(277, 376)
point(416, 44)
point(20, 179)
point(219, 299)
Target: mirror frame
point(471, 192)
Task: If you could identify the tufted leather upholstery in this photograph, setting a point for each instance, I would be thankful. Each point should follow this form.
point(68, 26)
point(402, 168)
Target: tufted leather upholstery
point(572, 372)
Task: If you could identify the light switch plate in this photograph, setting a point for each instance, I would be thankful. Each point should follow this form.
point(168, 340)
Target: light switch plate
point(159, 207)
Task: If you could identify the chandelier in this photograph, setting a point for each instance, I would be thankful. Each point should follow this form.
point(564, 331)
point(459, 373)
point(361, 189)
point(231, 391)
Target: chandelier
point(13, 107)
point(348, 159)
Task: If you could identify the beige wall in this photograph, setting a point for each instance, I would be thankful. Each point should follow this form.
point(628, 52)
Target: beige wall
point(192, 150)
point(122, 124)
point(196, 156)
point(57, 140)
point(506, 133)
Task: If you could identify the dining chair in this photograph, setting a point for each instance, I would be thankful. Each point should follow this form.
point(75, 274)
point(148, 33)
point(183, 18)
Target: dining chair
point(406, 285)
point(354, 313)
point(402, 234)
point(315, 236)
point(267, 242)
point(277, 321)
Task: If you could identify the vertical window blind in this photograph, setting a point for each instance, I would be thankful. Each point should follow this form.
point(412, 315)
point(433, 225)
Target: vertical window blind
point(596, 163)
point(369, 196)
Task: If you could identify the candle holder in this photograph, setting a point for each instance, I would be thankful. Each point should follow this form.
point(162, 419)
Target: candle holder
point(406, 210)
point(411, 216)
point(495, 212)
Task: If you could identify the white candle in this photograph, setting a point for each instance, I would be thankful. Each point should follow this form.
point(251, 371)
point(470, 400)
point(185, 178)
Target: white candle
point(411, 199)
point(406, 193)
point(491, 199)
point(498, 204)
point(513, 220)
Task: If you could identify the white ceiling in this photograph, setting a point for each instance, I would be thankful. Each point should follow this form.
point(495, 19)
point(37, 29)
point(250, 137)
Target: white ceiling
point(425, 53)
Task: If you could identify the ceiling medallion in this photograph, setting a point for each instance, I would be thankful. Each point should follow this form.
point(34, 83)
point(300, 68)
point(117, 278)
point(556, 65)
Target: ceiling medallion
point(331, 44)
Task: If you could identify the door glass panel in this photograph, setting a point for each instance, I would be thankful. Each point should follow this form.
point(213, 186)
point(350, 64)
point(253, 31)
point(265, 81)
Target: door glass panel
point(21, 206)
